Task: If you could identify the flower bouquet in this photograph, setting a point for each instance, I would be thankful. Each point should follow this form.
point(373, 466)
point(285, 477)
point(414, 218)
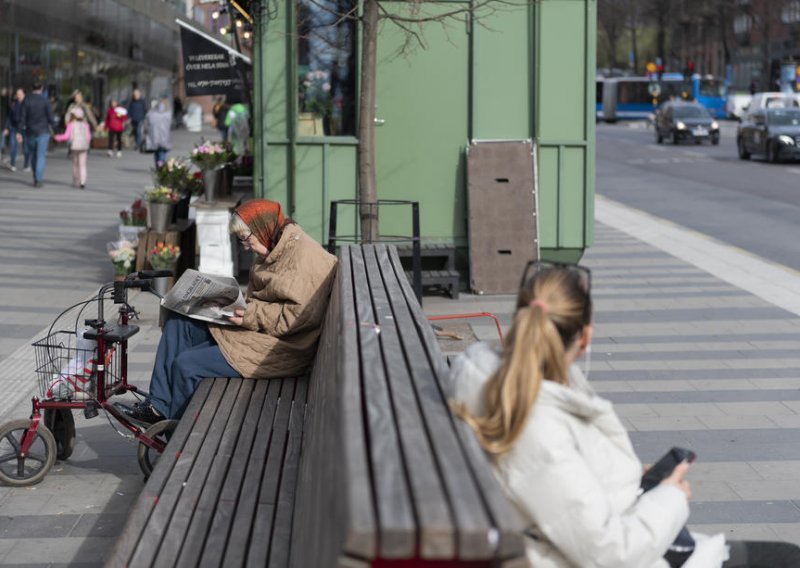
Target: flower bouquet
point(162, 194)
point(173, 173)
point(164, 256)
point(211, 155)
point(123, 254)
point(135, 215)
point(315, 93)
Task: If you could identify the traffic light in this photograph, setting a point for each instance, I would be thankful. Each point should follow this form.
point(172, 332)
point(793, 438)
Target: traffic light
point(688, 71)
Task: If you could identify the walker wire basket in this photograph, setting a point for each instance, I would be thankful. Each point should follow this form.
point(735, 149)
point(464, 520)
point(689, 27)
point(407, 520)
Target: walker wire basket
point(66, 366)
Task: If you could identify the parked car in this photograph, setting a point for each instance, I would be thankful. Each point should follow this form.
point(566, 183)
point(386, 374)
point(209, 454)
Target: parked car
point(680, 120)
point(773, 99)
point(773, 132)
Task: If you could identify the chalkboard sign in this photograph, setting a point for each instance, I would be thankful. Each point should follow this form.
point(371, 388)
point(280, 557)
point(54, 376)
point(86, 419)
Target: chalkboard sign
point(210, 67)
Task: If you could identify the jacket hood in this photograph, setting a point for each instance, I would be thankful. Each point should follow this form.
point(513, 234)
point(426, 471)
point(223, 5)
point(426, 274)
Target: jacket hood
point(472, 369)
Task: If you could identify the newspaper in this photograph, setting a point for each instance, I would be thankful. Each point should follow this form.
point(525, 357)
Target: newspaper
point(205, 297)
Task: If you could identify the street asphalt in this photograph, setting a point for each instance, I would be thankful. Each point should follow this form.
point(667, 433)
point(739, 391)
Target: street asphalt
point(696, 344)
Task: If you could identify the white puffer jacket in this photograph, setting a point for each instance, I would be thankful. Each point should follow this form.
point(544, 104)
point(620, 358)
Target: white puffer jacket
point(574, 477)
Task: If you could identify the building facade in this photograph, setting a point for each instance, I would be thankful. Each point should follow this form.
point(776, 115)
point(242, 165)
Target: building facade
point(102, 47)
point(518, 72)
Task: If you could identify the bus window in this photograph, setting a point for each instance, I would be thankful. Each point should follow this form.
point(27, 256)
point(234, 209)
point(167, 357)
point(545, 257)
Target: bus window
point(712, 88)
point(632, 92)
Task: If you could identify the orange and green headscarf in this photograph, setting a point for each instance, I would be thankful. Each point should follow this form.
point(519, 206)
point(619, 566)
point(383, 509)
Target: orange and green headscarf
point(264, 218)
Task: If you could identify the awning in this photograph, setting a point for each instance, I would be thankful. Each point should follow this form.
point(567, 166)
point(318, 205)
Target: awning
point(209, 66)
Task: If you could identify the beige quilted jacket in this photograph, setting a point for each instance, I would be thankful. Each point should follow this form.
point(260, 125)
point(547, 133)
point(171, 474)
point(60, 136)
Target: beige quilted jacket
point(287, 300)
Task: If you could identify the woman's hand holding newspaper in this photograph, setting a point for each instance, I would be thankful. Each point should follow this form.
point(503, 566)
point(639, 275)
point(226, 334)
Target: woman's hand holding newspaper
point(238, 316)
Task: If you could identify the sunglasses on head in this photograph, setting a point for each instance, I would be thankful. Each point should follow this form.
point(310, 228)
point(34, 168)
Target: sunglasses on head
point(535, 267)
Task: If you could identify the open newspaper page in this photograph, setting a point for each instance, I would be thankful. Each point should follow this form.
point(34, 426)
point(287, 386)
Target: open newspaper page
point(205, 297)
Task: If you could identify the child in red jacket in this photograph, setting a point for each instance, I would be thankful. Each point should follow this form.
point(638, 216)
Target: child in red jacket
point(115, 124)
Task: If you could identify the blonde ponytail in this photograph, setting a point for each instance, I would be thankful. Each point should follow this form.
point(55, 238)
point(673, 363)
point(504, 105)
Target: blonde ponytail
point(546, 320)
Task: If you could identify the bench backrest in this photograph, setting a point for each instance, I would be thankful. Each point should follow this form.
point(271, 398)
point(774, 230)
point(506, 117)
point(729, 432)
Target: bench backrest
point(386, 471)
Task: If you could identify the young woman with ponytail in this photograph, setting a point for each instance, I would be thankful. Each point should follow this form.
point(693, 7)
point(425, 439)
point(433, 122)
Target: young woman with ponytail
point(562, 454)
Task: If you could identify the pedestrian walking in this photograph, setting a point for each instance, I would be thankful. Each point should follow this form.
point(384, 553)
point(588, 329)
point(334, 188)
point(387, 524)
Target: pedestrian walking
point(79, 136)
point(177, 112)
point(137, 110)
point(5, 110)
point(220, 112)
point(37, 119)
point(12, 128)
point(77, 101)
point(562, 453)
point(157, 127)
point(115, 124)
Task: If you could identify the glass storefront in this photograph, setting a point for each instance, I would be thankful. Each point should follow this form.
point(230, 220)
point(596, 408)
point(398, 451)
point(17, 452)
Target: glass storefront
point(103, 48)
point(326, 68)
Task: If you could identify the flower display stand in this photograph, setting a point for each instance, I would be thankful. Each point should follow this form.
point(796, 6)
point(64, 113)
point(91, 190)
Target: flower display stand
point(182, 234)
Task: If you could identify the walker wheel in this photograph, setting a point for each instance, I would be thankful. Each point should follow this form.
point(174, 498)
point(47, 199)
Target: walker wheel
point(61, 423)
point(20, 471)
point(148, 457)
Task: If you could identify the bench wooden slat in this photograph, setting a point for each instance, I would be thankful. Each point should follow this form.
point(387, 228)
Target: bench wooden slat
point(504, 517)
point(471, 519)
point(162, 513)
point(134, 527)
point(260, 416)
point(267, 447)
point(266, 497)
point(175, 534)
point(280, 522)
point(329, 519)
point(361, 538)
point(396, 523)
point(217, 477)
point(435, 526)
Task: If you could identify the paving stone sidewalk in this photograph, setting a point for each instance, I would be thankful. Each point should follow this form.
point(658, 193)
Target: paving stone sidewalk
point(696, 343)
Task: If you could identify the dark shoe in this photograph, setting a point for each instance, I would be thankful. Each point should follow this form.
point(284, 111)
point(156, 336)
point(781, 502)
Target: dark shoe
point(142, 412)
point(37, 184)
point(83, 186)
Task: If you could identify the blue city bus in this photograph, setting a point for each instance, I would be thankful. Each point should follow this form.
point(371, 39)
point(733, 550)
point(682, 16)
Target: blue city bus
point(635, 98)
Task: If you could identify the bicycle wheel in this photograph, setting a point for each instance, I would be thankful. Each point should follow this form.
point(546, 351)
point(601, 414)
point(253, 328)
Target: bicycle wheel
point(61, 423)
point(148, 457)
point(20, 471)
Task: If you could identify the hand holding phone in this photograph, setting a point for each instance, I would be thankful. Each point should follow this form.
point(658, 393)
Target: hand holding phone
point(664, 467)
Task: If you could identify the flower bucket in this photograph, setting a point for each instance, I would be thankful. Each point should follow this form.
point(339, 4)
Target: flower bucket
point(159, 216)
point(161, 285)
point(210, 182)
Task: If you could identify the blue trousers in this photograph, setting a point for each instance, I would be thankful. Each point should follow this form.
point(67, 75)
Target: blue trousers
point(12, 148)
point(160, 156)
point(37, 148)
point(186, 355)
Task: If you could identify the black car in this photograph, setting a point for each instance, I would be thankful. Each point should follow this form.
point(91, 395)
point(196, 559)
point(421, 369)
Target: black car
point(680, 120)
point(773, 132)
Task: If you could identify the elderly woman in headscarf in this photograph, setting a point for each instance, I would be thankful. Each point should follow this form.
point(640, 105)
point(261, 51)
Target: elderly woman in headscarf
point(274, 336)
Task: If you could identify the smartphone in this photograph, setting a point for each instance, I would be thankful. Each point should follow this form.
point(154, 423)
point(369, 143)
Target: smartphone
point(663, 467)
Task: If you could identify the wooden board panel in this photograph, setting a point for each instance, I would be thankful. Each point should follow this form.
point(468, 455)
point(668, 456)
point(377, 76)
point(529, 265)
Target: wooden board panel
point(503, 516)
point(140, 514)
point(502, 220)
point(396, 524)
point(436, 530)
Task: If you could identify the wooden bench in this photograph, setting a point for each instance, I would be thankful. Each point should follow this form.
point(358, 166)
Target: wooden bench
point(361, 464)
point(387, 474)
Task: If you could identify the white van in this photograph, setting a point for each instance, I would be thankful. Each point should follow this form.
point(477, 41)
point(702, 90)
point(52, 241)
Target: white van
point(773, 99)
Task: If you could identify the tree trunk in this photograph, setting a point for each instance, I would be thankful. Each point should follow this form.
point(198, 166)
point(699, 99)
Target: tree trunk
point(368, 190)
